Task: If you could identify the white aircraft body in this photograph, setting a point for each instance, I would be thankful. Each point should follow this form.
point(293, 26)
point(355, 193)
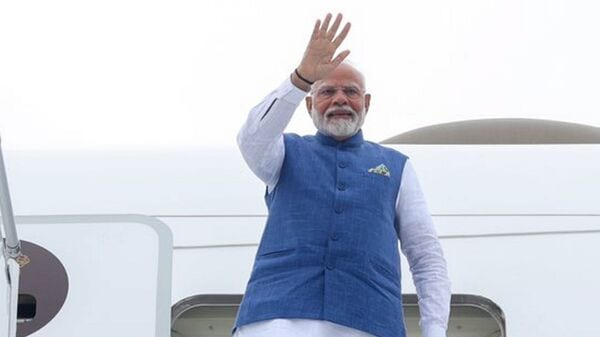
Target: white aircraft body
point(519, 225)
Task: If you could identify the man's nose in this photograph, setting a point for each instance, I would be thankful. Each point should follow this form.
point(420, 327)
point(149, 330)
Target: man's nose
point(340, 98)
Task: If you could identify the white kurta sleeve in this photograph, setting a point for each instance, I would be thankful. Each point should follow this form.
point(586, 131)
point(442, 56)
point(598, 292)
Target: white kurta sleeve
point(261, 137)
point(420, 245)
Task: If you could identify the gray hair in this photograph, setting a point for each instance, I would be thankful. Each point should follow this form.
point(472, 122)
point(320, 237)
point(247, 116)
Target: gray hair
point(353, 66)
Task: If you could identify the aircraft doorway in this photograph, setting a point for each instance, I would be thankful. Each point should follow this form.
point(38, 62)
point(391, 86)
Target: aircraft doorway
point(214, 315)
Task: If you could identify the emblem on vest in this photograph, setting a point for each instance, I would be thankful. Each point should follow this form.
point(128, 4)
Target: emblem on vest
point(381, 169)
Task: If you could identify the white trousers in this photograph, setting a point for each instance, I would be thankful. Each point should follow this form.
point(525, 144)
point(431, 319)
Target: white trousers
point(296, 327)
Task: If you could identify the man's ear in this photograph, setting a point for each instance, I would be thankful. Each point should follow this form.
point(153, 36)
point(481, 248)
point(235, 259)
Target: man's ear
point(308, 100)
point(367, 102)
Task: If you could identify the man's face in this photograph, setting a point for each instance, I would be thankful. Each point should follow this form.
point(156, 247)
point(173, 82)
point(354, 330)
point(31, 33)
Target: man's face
point(339, 104)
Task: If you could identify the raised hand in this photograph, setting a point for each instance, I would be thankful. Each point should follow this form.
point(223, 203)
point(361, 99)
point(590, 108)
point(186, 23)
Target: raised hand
point(318, 60)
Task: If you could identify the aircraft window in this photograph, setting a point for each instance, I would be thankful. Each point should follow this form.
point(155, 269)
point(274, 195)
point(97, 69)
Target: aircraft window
point(214, 315)
point(26, 307)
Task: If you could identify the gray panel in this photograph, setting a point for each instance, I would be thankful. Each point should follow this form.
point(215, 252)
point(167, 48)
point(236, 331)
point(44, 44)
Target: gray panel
point(501, 131)
point(44, 278)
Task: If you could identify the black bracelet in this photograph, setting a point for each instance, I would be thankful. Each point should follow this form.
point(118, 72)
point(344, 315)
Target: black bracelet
point(302, 78)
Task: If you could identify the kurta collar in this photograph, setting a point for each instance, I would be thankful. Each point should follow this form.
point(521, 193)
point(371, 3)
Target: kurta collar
point(353, 141)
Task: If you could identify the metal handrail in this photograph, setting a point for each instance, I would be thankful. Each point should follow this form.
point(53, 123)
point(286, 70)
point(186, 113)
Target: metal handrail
point(11, 240)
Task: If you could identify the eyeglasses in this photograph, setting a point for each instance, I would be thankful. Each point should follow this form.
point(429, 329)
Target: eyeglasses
point(327, 91)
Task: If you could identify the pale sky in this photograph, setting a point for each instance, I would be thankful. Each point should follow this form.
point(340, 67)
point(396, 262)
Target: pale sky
point(123, 74)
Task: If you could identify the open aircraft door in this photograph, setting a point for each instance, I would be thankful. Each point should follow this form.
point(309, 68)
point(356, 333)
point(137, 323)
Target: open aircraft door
point(83, 275)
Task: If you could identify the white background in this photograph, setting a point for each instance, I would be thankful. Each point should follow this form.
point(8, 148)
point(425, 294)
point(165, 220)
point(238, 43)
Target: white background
point(131, 74)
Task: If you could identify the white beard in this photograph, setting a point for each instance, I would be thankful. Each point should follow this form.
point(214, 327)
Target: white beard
point(338, 127)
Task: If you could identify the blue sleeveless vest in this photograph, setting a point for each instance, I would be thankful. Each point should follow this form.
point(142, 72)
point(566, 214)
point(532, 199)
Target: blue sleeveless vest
point(329, 249)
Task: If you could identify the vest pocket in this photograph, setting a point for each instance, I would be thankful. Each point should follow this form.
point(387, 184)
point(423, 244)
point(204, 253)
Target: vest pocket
point(375, 178)
point(274, 253)
point(376, 190)
point(385, 277)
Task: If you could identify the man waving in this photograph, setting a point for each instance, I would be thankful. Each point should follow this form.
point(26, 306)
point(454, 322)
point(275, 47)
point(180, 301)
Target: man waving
point(328, 263)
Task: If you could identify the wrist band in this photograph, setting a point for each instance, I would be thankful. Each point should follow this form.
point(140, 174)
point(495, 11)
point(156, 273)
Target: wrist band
point(302, 78)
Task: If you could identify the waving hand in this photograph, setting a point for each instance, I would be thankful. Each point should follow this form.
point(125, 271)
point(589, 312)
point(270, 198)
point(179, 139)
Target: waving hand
point(318, 60)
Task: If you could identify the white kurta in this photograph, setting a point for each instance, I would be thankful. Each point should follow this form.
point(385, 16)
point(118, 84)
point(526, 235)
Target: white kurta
point(261, 143)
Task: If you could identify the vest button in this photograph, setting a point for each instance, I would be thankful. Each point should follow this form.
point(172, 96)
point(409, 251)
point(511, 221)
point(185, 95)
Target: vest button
point(341, 186)
point(342, 164)
point(338, 209)
point(329, 267)
point(335, 237)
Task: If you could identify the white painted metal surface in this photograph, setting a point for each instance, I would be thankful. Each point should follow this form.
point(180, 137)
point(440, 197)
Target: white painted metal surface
point(536, 268)
point(519, 224)
point(9, 292)
point(13, 272)
point(4, 296)
point(457, 179)
point(118, 269)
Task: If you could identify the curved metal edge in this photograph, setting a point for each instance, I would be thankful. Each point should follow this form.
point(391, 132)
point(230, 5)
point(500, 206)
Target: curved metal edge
point(52, 289)
point(467, 300)
point(446, 133)
point(203, 300)
point(165, 253)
